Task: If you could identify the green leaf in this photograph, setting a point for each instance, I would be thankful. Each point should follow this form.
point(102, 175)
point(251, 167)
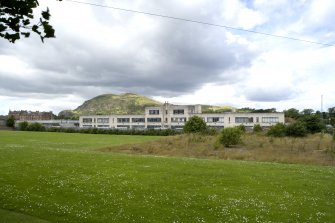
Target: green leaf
point(26, 34)
point(46, 14)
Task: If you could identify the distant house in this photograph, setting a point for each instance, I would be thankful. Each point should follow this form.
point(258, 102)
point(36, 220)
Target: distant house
point(31, 115)
point(3, 120)
point(175, 117)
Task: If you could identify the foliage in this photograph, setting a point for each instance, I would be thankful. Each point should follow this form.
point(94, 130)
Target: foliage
point(242, 128)
point(231, 136)
point(211, 131)
point(17, 19)
point(257, 128)
point(10, 122)
point(37, 127)
point(297, 129)
point(23, 126)
point(147, 132)
point(253, 110)
point(331, 112)
point(313, 123)
point(277, 130)
point(195, 124)
point(292, 113)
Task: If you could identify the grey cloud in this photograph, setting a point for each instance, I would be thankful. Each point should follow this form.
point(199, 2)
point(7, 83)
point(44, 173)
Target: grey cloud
point(182, 58)
point(185, 56)
point(269, 94)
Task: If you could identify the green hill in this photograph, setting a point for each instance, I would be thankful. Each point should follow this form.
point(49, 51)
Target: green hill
point(106, 104)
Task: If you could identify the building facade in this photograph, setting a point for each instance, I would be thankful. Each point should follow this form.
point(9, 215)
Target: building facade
point(175, 117)
point(31, 115)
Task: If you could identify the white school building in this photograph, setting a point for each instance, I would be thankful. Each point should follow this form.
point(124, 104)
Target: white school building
point(174, 117)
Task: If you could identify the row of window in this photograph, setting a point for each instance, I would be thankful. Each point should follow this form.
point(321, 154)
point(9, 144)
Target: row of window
point(175, 112)
point(183, 119)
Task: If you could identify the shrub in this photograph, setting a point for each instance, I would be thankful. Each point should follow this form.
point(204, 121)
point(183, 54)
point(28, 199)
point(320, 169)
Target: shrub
point(257, 128)
point(195, 125)
point(10, 122)
point(23, 126)
point(242, 128)
point(277, 130)
point(297, 129)
point(211, 131)
point(35, 127)
point(231, 136)
point(313, 123)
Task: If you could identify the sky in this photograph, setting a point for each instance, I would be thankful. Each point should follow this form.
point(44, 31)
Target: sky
point(99, 50)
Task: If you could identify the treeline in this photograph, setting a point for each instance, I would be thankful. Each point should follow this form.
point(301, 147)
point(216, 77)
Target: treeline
point(327, 118)
point(301, 123)
point(253, 110)
point(37, 127)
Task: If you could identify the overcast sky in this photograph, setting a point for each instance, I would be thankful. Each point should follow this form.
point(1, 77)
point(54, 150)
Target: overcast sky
point(101, 50)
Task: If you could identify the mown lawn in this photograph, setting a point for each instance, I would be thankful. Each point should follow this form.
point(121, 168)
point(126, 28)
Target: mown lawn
point(59, 177)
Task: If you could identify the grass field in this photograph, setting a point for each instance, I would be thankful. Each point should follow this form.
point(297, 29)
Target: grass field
point(59, 177)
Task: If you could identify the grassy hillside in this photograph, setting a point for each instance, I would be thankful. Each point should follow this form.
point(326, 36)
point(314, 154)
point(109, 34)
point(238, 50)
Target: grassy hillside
point(106, 104)
point(59, 177)
point(116, 104)
point(216, 109)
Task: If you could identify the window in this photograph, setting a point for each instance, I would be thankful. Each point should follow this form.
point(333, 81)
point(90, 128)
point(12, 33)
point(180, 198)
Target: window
point(178, 111)
point(178, 119)
point(123, 126)
point(153, 112)
point(154, 127)
point(154, 119)
point(138, 120)
point(213, 119)
point(102, 120)
point(122, 120)
point(244, 119)
point(270, 119)
point(138, 126)
point(103, 126)
point(87, 120)
point(257, 119)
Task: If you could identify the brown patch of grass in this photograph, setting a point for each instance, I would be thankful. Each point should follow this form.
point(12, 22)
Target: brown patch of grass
point(314, 149)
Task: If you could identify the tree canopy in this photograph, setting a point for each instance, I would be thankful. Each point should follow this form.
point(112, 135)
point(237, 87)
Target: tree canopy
point(195, 125)
point(17, 19)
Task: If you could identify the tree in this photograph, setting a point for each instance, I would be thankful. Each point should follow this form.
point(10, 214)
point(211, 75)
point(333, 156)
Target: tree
point(230, 136)
point(17, 19)
point(195, 125)
point(292, 113)
point(297, 129)
point(313, 123)
point(277, 130)
point(331, 112)
point(10, 121)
